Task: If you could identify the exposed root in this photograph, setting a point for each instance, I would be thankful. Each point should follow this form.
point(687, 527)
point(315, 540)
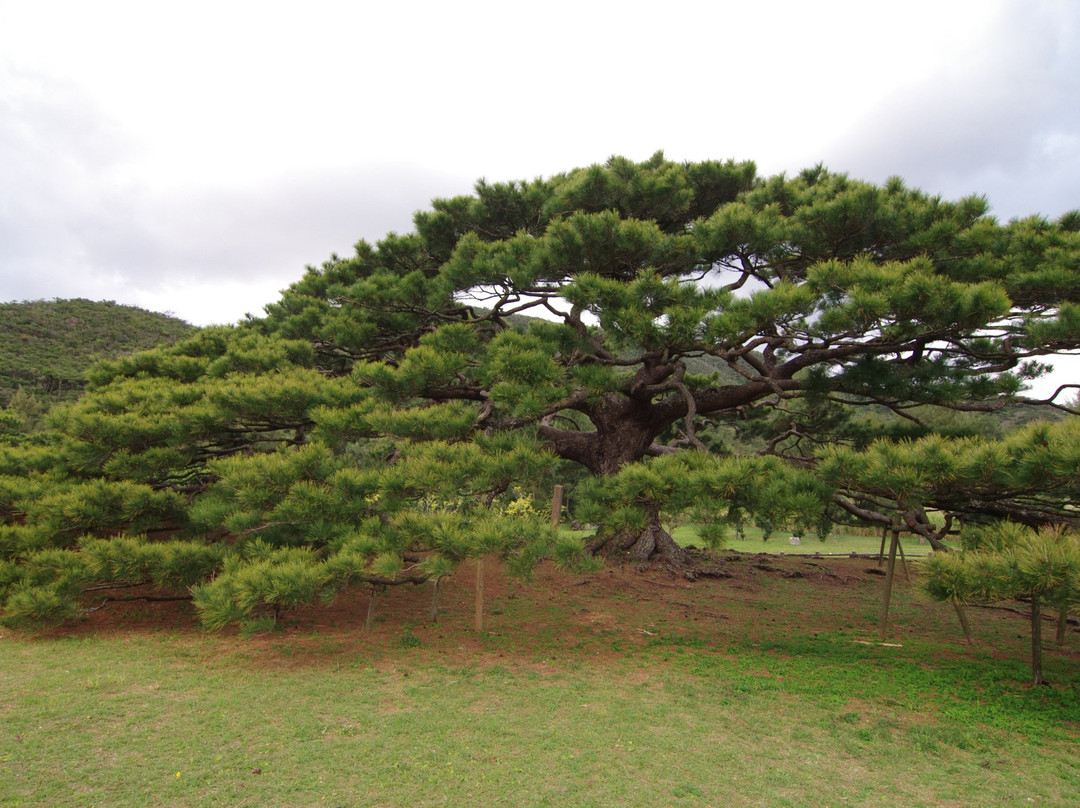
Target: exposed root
point(653, 545)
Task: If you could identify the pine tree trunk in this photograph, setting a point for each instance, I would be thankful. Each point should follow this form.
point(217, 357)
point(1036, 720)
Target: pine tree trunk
point(625, 428)
point(1062, 625)
point(1036, 642)
point(962, 614)
point(653, 544)
point(624, 431)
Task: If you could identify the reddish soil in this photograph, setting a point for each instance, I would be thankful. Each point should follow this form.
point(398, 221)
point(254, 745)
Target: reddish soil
point(598, 615)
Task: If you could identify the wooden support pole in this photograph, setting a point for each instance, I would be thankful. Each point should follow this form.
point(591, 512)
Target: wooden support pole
point(479, 621)
point(433, 615)
point(881, 552)
point(890, 572)
point(1036, 642)
point(556, 507)
point(962, 614)
point(370, 611)
point(903, 560)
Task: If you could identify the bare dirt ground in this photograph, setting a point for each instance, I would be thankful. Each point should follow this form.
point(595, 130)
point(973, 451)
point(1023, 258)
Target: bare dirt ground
point(597, 616)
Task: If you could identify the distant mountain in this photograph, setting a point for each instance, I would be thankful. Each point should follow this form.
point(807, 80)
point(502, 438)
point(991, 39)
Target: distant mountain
point(47, 345)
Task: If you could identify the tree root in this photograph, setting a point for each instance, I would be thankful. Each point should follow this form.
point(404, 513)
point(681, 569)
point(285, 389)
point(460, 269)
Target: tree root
point(653, 545)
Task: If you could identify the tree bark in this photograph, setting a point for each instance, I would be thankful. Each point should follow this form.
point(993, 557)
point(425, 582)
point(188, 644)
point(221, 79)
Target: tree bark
point(1062, 625)
point(624, 431)
point(653, 544)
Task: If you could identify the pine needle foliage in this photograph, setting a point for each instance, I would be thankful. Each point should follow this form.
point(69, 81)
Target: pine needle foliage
point(1041, 567)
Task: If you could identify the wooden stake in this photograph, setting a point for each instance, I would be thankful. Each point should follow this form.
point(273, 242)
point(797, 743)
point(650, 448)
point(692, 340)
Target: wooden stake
point(903, 560)
point(433, 616)
point(479, 593)
point(556, 507)
point(1036, 642)
point(881, 552)
point(962, 614)
point(1062, 625)
point(890, 572)
point(370, 611)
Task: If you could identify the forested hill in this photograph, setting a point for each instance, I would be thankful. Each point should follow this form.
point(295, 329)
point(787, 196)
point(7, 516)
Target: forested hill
point(47, 345)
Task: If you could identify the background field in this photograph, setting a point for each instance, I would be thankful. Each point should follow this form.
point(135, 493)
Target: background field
point(836, 544)
point(621, 688)
point(779, 544)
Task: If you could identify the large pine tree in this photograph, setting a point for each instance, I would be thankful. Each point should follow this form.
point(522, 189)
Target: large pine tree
point(802, 293)
point(378, 423)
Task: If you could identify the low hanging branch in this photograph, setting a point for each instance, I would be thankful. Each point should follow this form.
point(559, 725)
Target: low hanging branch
point(148, 598)
point(113, 585)
point(914, 519)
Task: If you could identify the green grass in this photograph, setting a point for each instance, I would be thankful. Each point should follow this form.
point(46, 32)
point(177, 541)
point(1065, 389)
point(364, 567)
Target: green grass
point(659, 709)
point(143, 721)
point(779, 544)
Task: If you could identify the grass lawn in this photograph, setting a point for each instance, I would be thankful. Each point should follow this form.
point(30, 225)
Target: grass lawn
point(766, 688)
point(779, 544)
point(841, 544)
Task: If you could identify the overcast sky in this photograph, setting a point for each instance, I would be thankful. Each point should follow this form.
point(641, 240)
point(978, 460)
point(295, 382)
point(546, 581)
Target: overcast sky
point(193, 157)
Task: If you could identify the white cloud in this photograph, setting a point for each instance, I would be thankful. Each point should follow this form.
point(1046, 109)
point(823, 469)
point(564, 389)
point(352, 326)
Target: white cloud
point(180, 155)
point(999, 118)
